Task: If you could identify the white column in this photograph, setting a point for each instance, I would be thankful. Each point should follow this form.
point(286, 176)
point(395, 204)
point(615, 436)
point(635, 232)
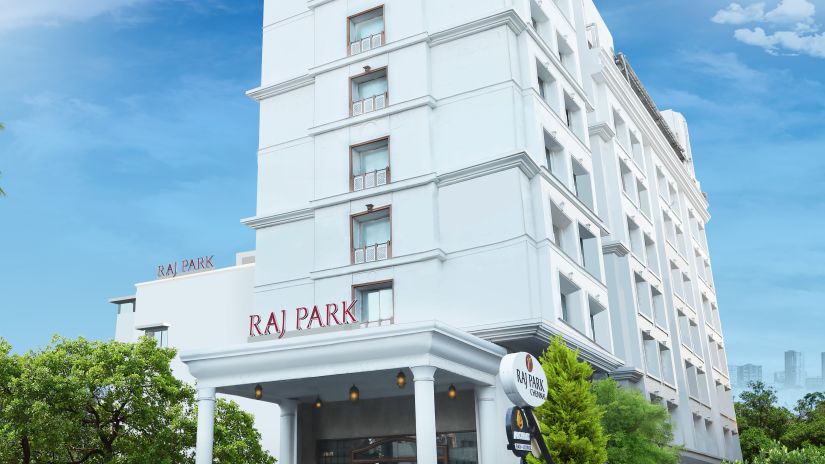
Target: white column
point(206, 425)
point(487, 423)
point(425, 414)
point(289, 426)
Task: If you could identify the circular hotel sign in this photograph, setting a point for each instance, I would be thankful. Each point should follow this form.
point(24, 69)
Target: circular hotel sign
point(523, 379)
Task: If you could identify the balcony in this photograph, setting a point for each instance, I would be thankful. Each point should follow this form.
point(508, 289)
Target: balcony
point(371, 253)
point(369, 104)
point(367, 43)
point(371, 179)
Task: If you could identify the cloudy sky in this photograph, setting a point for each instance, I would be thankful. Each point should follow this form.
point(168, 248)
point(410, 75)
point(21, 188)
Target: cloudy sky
point(129, 142)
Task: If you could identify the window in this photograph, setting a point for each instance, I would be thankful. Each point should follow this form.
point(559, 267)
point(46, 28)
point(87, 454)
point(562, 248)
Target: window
point(563, 234)
point(659, 311)
point(693, 380)
point(650, 254)
point(670, 229)
point(680, 241)
point(651, 352)
point(554, 154)
point(581, 183)
point(569, 303)
point(667, 364)
point(695, 343)
point(644, 199)
point(688, 291)
point(371, 236)
point(628, 182)
point(374, 302)
point(621, 129)
point(636, 149)
point(637, 244)
point(684, 330)
point(548, 87)
point(590, 251)
point(537, 18)
point(572, 114)
point(369, 92)
point(366, 30)
point(643, 303)
point(676, 280)
point(159, 334)
point(370, 164)
point(566, 54)
point(662, 185)
point(599, 323)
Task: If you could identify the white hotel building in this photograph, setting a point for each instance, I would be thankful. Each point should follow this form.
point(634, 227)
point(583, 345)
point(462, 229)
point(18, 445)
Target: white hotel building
point(478, 176)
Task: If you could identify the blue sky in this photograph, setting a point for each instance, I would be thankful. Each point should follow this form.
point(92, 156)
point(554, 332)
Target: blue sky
point(129, 142)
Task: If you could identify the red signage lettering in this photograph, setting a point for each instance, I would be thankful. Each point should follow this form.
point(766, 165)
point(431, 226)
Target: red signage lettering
point(185, 266)
point(305, 319)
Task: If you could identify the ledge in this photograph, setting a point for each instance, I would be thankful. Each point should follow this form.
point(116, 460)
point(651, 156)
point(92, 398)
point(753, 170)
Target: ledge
point(388, 111)
point(259, 222)
point(436, 253)
point(507, 18)
point(631, 374)
point(603, 130)
point(617, 248)
point(263, 92)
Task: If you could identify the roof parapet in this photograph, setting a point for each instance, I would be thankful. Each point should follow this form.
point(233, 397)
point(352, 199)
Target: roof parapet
point(647, 101)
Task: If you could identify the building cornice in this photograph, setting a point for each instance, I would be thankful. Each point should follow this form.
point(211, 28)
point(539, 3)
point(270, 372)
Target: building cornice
point(260, 222)
point(630, 374)
point(394, 108)
point(520, 160)
point(263, 92)
point(386, 48)
point(507, 18)
point(603, 130)
point(617, 248)
point(544, 332)
point(349, 269)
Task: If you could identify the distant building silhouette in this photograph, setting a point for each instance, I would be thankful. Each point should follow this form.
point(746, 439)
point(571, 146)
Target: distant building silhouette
point(794, 369)
point(779, 379)
point(742, 376)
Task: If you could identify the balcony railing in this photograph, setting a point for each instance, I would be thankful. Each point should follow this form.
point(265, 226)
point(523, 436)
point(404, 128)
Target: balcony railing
point(370, 253)
point(369, 104)
point(371, 179)
point(367, 43)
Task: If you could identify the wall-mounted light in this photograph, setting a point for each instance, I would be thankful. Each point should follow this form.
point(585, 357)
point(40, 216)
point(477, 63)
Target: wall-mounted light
point(401, 379)
point(354, 394)
point(451, 392)
point(259, 392)
point(318, 403)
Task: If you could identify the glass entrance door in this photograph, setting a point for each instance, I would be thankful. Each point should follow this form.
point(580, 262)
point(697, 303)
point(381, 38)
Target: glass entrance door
point(396, 450)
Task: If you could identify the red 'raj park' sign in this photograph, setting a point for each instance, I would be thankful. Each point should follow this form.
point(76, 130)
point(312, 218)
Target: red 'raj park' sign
point(185, 266)
point(305, 318)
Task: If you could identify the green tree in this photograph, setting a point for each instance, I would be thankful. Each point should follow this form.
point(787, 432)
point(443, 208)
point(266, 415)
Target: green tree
point(808, 427)
point(80, 401)
point(781, 455)
point(761, 422)
point(639, 432)
point(570, 420)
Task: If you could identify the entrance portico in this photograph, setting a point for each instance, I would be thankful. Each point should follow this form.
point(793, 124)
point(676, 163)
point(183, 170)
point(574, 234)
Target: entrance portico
point(295, 372)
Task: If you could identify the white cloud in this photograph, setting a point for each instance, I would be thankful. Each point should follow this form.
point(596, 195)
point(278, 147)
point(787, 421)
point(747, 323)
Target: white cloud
point(784, 42)
point(789, 29)
point(15, 14)
point(737, 14)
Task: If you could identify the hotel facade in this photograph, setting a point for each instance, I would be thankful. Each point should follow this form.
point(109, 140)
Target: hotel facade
point(440, 184)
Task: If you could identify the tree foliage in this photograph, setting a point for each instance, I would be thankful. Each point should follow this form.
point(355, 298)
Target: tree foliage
point(639, 432)
point(80, 401)
point(570, 420)
point(781, 455)
point(766, 427)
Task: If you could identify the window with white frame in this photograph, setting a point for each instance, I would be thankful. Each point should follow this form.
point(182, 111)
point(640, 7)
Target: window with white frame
point(572, 115)
point(684, 329)
point(548, 87)
point(693, 380)
point(566, 54)
point(371, 236)
point(676, 280)
point(590, 251)
point(688, 291)
point(374, 302)
point(643, 303)
point(651, 351)
point(637, 245)
point(599, 323)
point(569, 302)
point(554, 155)
point(695, 339)
point(370, 164)
point(644, 197)
point(159, 334)
point(662, 185)
point(369, 92)
point(563, 233)
point(366, 30)
point(582, 185)
point(636, 149)
point(659, 310)
point(538, 19)
point(628, 182)
point(667, 364)
point(651, 256)
point(620, 127)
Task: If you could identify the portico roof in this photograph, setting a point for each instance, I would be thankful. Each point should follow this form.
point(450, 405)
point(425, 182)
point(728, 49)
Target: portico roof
point(348, 352)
